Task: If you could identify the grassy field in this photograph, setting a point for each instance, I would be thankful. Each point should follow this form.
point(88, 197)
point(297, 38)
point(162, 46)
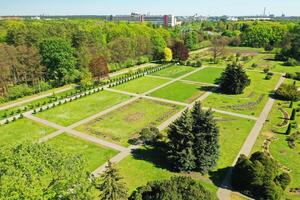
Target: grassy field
point(123, 124)
point(72, 112)
point(231, 129)
point(174, 71)
point(141, 85)
point(207, 75)
point(41, 93)
point(22, 130)
point(251, 102)
point(94, 155)
point(14, 110)
point(233, 133)
point(279, 148)
point(180, 91)
point(144, 165)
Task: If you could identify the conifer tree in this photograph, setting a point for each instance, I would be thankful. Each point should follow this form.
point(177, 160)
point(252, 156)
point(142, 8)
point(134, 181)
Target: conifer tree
point(111, 187)
point(180, 145)
point(206, 133)
point(288, 130)
point(293, 116)
point(234, 79)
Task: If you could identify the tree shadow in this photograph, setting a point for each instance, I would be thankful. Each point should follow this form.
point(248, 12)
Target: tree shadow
point(155, 156)
point(218, 176)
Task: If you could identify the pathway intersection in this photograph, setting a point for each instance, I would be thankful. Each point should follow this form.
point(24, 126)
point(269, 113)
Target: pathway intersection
point(223, 193)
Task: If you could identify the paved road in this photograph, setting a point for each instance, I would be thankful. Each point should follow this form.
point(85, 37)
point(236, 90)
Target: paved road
point(224, 191)
point(34, 98)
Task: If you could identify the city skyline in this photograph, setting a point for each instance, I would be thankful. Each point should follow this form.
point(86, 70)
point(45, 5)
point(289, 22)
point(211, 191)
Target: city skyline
point(175, 7)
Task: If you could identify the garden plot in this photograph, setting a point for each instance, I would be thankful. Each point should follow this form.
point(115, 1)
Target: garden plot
point(23, 130)
point(278, 147)
point(251, 102)
point(206, 75)
point(181, 91)
point(93, 154)
point(82, 108)
point(141, 85)
point(124, 124)
point(174, 71)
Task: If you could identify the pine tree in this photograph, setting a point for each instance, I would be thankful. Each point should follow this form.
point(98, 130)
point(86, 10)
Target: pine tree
point(111, 187)
point(180, 145)
point(293, 116)
point(206, 133)
point(234, 79)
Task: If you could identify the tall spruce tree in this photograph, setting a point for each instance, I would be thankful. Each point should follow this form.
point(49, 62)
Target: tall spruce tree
point(180, 145)
point(234, 79)
point(111, 187)
point(206, 135)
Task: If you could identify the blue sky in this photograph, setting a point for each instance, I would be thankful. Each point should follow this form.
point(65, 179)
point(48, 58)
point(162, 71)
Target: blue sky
point(176, 7)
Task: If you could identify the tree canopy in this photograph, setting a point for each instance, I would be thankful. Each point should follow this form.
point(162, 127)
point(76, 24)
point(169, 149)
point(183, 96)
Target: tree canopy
point(179, 188)
point(193, 141)
point(38, 171)
point(259, 177)
point(234, 79)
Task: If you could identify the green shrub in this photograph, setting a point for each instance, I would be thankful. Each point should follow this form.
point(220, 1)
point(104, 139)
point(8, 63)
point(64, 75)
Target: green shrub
point(19, 91)
point(291, 62)
point(288, 93)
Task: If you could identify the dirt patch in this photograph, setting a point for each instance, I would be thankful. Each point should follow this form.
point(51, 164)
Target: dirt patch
point(134, 117)
point(268, 134)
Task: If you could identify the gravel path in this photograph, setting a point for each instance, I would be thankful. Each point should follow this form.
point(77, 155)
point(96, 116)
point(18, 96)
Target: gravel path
point(224, 191)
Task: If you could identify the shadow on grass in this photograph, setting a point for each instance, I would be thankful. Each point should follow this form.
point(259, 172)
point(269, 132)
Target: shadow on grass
point(218, 176)
point(153, 155)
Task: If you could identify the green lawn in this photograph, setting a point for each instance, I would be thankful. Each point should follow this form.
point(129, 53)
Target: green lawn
point(180, 91)
point(233, 133)
point(207, 75)
point(94, 155)
point(251, 102)
point(72, 112)
point(145, 165)
point(174, 71)
point(22, 130)
point(279, 148)
point(124, 123)
point(14, 110)
point(141, 85)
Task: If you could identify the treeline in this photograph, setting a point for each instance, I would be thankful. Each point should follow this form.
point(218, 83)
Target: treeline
point(58, 52)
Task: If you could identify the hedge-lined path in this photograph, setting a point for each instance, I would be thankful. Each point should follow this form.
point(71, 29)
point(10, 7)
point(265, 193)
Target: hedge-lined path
point(29, 99)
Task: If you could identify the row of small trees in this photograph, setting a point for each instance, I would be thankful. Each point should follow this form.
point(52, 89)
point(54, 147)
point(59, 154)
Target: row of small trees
point(84, 91)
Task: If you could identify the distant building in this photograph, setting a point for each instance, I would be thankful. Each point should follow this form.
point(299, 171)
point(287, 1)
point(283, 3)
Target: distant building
point(160, 20)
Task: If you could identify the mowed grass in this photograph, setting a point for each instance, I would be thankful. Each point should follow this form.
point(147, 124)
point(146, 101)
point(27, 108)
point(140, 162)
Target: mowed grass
point(146, 165)
point(251, 102)
point(180, 91)
point(23, 130)
point(207, 75)
point(94, 155)
point(233, 133)
point(141, 85)
point(82, 108)
point(124, 124)
point(174, 71)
